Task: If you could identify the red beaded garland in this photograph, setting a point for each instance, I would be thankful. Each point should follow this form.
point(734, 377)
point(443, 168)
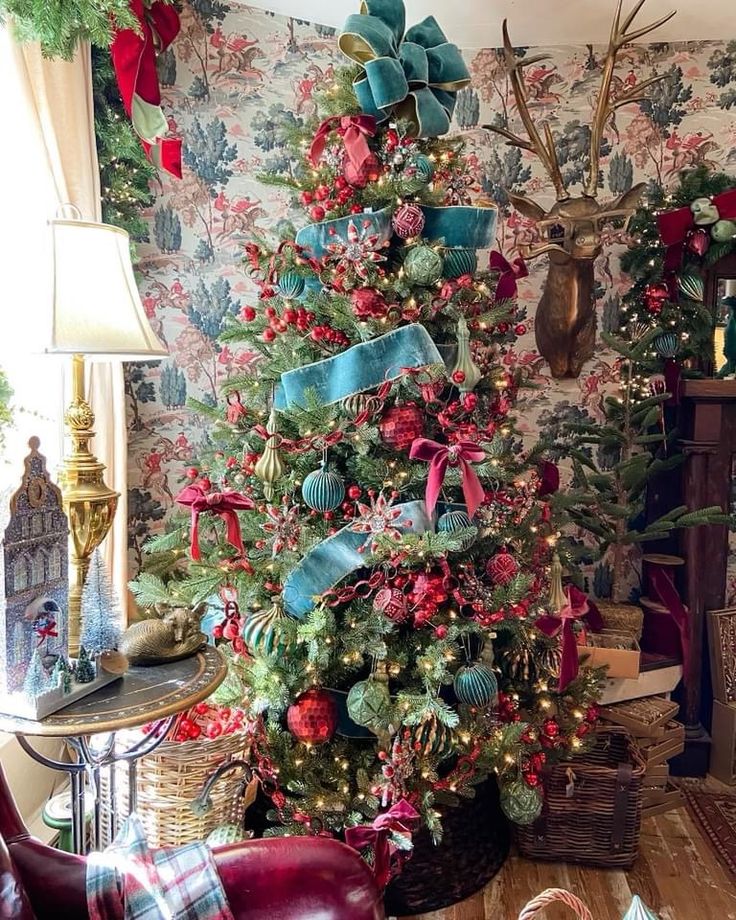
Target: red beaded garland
point(312, 718)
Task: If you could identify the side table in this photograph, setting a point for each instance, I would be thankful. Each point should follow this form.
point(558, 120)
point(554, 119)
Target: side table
point(153, 695)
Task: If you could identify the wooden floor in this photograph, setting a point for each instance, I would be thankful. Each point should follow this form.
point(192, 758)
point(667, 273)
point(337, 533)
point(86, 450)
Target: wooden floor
point(677, 876)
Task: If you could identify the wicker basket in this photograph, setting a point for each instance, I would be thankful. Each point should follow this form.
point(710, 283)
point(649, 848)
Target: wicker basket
point(553, 896)
point(168, 780)
point(592, 807)
point(622, 618)
point(474, 846)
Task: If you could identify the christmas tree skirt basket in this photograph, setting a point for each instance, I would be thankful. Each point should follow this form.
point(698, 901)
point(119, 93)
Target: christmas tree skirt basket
point(474, 846)
point(168, 780)
point(592, 807)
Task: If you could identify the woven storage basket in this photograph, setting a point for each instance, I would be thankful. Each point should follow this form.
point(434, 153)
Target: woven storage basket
point(169, 779)
point(475, 844)
point(592, 807)
point(622, 618)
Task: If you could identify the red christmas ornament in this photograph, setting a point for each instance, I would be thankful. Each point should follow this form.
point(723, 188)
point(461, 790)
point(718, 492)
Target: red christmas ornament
point(698, 242)
point(502, 567)
point(550, 728)
point(392, 603)
point(656, 296)
point(317, 212)
point(408, 221)
point(401, 425)
point(369, 171)
point(312, 718)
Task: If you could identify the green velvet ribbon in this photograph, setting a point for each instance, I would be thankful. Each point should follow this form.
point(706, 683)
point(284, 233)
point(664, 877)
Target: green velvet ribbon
point(413, 76)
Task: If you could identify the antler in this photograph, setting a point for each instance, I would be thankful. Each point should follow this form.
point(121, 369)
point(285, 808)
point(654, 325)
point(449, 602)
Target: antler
point(545, 149)
point(606, 106)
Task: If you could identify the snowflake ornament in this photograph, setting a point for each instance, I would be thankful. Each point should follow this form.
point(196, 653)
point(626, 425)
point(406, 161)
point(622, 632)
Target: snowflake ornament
point(358, 251)
point(377, 519)
point(283, 527)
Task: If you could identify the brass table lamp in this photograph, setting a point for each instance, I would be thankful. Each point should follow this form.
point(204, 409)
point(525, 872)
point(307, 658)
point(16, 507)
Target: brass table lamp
point(96, 312)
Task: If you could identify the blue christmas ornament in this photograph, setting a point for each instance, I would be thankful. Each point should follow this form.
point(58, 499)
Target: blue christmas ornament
point(291, 285)
point(323, 490)
point(452, 522)
point(667, 344)
point(459, 262)
point(476, 685)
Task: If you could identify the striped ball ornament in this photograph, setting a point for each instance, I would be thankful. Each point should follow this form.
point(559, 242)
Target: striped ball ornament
point(459, 262)
point(323, 490)
point(264, 633)
point(291, 285)
point(433, 739)
point(452, 522)
point(476, 685)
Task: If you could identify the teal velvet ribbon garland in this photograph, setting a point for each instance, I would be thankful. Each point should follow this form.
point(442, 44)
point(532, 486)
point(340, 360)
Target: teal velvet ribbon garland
point(337, 557)
point(413, 76)
point(460, 227)
point(362, 367)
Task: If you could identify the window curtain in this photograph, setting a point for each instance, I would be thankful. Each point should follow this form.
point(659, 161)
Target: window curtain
point(58, 97)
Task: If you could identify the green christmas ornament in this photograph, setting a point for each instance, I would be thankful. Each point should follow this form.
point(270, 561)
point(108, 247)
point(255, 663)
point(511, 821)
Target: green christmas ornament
point(459, 262)
point(369, 704)
point(423, 265)
point(417, 174)
point(723, 231)
point(263, 631)
point(520, 803)
point(476, 685)
point(692, 286)
point(465, 374)
point(225, 834)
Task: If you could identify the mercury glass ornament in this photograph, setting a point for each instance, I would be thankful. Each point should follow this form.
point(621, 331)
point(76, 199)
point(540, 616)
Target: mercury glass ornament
point(369, 704)
point(423, 265)
point(520, 803)
point(270, 467)
point(464, 364)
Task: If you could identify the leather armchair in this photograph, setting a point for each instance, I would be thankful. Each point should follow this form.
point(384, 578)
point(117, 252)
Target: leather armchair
point(286, 878)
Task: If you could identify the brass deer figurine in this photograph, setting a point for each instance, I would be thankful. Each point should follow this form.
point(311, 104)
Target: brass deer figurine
point(565, 323)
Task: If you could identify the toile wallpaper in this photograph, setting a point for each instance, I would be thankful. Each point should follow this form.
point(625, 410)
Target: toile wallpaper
point(237, 76)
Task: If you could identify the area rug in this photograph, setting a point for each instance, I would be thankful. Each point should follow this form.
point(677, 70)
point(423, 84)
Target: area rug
point(715, 815)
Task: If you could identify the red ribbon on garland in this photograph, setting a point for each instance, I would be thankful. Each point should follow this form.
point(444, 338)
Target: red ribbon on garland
point(354, 129)
point(578, 607)
point(133, 54)
point(402, 818)
point(224, 504)
point(663, 591)
point(510, 273)
point(674, 226)
point(439, 457)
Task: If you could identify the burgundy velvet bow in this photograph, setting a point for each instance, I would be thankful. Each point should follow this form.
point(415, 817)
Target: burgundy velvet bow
point(226, 504)
point(664, 592)
point(561, 624)
point(674, 226)
point(354, 129)
point(510, 273)
point(133, 54)
point(401, 817)
point(439, 457)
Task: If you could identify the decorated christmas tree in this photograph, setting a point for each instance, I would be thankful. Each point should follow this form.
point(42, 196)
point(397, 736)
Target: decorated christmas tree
point(100, 610)
point(367, 512)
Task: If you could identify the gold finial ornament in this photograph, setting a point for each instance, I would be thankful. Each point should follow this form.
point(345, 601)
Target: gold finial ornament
point(557, 596)
point(464, 363)
point(270, 466)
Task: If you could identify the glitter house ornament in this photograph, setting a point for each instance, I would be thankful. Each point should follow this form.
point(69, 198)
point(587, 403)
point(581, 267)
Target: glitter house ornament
point(401, 425)
point(323, 490)
point(312, 718)
point(408, 221)
point(476, 685)
point(358, 252)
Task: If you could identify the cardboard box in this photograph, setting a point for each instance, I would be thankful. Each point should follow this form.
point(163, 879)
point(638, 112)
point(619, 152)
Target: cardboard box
point(659, 750)
point(648, 683)
point(659, 801)
point(644, 718)
point(619, 653)
point(723, 751)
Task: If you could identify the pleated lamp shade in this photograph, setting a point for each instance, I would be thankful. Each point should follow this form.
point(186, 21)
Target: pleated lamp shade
point(96, 308)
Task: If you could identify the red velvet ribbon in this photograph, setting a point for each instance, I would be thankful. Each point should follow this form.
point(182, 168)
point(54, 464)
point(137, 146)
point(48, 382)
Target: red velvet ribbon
point(674, 226)
point(225, 504)
point(354, 129)
point(578, 607)
point(439, 457)
point(663, 591)
point(133, 56)
point(401, 817)
point(510, 273)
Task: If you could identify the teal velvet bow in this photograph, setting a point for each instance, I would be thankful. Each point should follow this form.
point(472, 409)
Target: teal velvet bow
point(413, 76)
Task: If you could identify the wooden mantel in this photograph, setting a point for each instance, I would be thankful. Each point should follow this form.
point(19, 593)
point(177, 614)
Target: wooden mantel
point(709, 388)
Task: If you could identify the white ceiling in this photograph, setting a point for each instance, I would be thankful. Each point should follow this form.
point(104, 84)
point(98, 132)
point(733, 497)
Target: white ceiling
point(477, 23)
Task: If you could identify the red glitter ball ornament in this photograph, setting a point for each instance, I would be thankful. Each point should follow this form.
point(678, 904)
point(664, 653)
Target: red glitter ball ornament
point(408, 221)
point(502, 567)
point(401, 425)
point(391, 602)
point(312, 718)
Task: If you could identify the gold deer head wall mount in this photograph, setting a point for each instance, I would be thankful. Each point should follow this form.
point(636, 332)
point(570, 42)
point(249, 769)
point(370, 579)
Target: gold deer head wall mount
point(571, 230)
